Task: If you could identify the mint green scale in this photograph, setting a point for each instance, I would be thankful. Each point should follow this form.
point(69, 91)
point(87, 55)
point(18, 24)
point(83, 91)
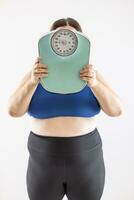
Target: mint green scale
point(65, 53)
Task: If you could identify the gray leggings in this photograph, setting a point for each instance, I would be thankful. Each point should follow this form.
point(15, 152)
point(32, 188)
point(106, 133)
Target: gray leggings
point(71, 166)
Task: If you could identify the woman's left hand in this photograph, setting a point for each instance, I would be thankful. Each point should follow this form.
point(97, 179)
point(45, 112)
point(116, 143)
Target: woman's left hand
point(88, 74)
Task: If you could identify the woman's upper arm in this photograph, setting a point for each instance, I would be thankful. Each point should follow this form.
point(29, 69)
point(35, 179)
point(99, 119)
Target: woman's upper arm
point(102, 80)
point(23, 81)
point(25, 78)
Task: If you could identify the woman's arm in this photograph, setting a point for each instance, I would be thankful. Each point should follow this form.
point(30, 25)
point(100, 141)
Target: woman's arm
point(19, 101)
point(102, 80)
point(108, 99)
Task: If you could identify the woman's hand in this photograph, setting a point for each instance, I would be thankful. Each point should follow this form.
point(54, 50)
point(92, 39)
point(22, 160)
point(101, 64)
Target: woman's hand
point(39, 70)
point(88, 74)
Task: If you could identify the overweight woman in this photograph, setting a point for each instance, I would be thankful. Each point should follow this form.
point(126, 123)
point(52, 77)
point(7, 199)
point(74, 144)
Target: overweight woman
point(64, 144)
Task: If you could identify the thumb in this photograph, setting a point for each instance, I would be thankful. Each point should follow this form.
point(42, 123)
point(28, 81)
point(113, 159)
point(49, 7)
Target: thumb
point(38, 60)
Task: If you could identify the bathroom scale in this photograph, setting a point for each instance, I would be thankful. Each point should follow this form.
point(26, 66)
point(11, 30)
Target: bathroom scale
point(65, 52)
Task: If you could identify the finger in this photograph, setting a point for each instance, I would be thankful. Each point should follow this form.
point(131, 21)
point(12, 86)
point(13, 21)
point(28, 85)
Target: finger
point(86, 67)
point(41, 70)
point(41, 66)
point(38, 60)
point(87, 75)
point(40, 73)
point(90, 66)
point(84, 78)
point(83, 70)
point(38, 67)
point(86, 70)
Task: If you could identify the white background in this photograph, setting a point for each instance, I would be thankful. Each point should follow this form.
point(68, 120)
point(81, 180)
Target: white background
point(110, 26)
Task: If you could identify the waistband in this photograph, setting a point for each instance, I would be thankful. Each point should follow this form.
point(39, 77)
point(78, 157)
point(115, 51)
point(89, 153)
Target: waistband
point(60, 145)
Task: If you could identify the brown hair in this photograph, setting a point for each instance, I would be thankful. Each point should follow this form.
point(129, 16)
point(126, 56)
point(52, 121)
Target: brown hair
point(66, 21)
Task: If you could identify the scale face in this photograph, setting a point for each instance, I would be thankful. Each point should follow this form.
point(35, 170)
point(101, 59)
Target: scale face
point(65, 53)
point(64, 42)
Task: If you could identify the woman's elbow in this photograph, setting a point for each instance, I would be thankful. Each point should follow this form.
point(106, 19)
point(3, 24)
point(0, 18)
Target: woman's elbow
point(12, 113)
point(116, 113)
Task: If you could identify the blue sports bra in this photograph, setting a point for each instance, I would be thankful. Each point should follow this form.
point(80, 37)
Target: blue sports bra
point(45, 104)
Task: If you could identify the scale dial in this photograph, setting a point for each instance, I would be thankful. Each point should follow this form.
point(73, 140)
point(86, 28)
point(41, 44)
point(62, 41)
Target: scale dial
point(64, 42)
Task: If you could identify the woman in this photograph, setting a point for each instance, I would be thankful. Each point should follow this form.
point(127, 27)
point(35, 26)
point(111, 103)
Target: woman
point(65, 147)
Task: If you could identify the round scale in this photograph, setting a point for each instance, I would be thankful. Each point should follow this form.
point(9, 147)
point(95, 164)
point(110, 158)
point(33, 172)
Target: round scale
point(65, 53)
point(64, 42)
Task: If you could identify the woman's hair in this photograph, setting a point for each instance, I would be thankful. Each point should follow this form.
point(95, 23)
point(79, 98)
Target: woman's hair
point(66, 21)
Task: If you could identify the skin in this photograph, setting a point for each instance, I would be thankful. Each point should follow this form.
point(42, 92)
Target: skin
point(64, 126)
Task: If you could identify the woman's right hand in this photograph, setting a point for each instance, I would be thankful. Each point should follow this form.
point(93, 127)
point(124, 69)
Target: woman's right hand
point(39, 70)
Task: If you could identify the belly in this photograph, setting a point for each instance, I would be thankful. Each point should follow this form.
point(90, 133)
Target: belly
point(63, 126)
